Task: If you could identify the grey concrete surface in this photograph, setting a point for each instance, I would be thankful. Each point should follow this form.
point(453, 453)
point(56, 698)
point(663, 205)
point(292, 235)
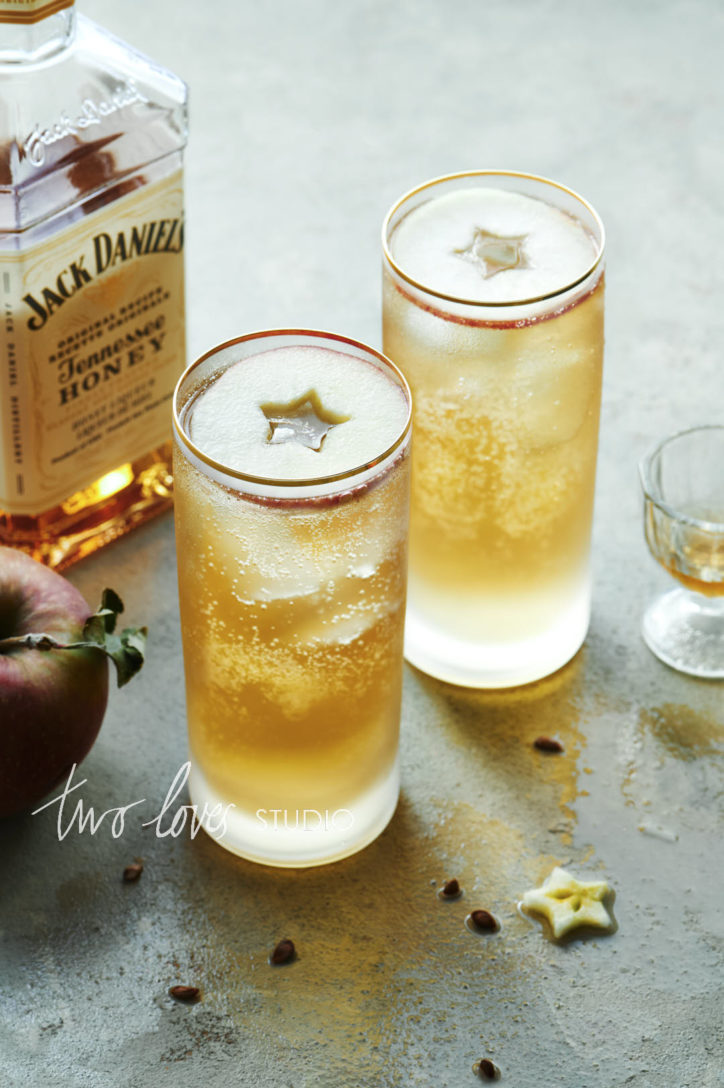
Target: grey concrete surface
point(309, 117)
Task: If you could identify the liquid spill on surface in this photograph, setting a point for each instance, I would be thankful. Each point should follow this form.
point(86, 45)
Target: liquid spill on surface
point(387, 970)
point(683, 732)
point(672, 768)
point(389, 985)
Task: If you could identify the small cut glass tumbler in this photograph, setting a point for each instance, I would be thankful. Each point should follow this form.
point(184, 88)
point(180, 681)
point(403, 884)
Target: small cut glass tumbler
point(683, 484)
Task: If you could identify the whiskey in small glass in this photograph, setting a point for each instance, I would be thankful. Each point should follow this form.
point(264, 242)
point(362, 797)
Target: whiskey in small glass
point(292, 496)
point(683, 485)
point(493, 310)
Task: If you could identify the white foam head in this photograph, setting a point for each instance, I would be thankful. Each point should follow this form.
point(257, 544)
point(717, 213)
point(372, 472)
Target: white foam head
point(226, 421)
point(442, 244)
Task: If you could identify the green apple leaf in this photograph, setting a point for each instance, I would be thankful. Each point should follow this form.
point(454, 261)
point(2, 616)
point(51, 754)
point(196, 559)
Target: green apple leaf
point(127, 651)
point(103, 622)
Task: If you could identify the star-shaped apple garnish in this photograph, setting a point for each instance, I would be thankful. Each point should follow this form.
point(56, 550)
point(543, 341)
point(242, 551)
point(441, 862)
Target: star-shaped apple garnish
point(568, 903)
point(493, 253)
point(303, 420)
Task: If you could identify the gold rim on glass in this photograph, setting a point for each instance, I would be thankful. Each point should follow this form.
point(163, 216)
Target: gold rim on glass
point(601, 243)
point(653, 493)
point(313, 481)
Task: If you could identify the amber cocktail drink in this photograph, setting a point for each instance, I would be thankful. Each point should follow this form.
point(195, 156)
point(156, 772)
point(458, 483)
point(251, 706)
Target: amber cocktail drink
point(683, 485)
point(292, 511)
point(493, 309)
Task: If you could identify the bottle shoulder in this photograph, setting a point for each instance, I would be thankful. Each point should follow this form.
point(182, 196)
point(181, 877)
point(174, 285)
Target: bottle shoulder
point(95, 46)
point(96, 111)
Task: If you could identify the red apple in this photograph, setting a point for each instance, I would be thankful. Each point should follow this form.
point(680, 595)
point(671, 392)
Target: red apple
point(52, 699)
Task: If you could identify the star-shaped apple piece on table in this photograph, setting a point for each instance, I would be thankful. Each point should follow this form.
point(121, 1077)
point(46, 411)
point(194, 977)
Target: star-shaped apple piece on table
point(567, 903)
point(493, 253)
point(304, 420)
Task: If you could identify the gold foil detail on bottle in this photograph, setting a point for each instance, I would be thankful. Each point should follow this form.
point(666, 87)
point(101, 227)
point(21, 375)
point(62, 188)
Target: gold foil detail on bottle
point(31, 11)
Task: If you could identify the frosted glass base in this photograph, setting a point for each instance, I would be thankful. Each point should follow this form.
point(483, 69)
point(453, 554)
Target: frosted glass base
point(489, 664)
point(298, 838)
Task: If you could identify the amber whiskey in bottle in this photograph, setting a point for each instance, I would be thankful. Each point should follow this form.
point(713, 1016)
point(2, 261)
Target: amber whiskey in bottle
point(91, 281)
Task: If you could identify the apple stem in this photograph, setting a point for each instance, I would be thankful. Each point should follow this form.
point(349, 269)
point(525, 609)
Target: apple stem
point(34, 642)
point(126, 650)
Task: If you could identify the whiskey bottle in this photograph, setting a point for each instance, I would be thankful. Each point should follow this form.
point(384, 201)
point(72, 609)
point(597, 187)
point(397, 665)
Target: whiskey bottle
point(91, 281)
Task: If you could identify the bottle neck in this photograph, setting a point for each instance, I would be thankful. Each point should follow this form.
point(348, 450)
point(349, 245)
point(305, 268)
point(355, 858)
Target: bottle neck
point(34, 30)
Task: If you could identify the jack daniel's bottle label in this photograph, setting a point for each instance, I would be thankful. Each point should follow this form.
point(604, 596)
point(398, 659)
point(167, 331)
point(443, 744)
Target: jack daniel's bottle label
point(91, 346)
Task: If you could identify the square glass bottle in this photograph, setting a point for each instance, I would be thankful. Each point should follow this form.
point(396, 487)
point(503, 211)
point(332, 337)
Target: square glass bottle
point(91, 281)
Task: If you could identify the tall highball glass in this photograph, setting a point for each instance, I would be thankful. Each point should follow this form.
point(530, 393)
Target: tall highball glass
point(493, 310)
point(292, 496)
